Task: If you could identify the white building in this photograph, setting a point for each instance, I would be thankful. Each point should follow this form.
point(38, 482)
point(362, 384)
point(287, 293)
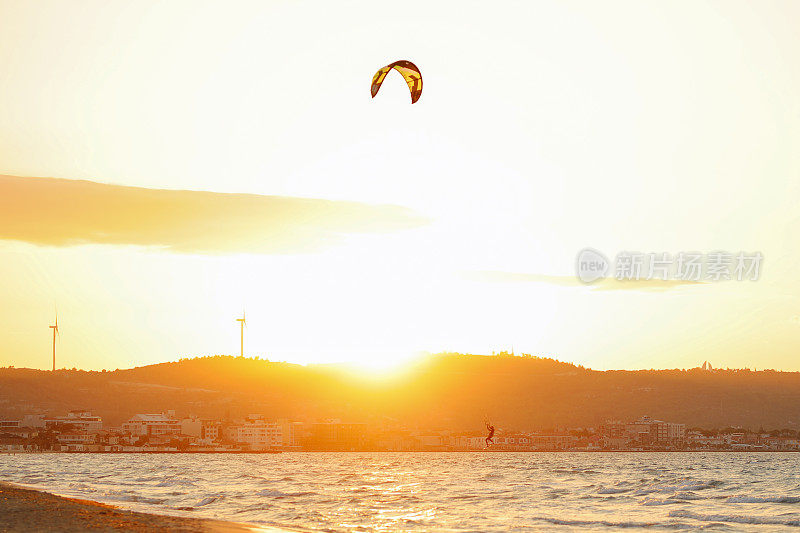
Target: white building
point(75, 438)
point(205, 430)
point(15, 444)
point(83, 421)
point(256, 433)
point(647, 429)
point(550, 442)
point(152, 425)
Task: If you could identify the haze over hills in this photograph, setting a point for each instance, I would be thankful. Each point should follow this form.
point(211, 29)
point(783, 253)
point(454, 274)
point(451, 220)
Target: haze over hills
point(445, 391)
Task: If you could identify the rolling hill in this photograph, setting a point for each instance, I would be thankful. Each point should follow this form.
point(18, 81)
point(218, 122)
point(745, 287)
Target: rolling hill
point(445, 391)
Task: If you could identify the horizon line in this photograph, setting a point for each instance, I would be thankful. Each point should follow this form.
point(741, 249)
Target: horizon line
point(353, 365)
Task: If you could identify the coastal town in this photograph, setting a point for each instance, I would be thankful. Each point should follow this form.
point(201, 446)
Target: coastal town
point(82, 431)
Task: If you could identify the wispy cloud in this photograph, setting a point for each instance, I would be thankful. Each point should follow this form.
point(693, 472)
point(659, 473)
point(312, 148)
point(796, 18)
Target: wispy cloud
point(607, 284)
point(59, 212)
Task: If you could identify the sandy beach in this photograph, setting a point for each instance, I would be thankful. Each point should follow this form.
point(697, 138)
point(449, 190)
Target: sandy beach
point(23, 509)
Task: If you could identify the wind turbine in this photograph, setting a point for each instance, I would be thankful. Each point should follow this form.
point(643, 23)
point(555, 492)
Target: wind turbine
point(55, 332)
point(242, 323)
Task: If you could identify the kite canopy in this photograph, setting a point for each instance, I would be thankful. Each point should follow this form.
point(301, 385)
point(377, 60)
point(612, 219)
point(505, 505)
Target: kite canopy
point(410, 73)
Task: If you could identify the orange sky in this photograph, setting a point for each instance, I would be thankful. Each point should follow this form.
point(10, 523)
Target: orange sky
point(232, 158)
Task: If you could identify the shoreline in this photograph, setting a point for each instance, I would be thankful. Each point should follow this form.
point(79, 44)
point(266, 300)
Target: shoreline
point(28, 509)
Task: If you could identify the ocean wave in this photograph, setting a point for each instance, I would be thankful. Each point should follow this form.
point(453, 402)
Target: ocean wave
point(678, 487)
point(134, 498)
point(270, 492)
point(605, 523)
point(613, 490)
point(207, 501)
point(686, 495)
point(763, 499)
point(253, 508)
point(631, 492)
point(82, 487)
point(657, 501)
point(251, 476)
point(175, 482)
point(280, 494)
point(735, 519)
point(575, 471)
point(557, 493)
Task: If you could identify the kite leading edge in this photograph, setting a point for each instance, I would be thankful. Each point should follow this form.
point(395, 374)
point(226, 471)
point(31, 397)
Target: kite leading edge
point(410, 73)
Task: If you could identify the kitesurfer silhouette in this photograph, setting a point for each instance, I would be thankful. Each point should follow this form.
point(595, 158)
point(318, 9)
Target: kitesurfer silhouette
point(491, 434)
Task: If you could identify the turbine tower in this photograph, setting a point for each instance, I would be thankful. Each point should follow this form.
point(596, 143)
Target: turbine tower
point(242, 322)
point(55, 332)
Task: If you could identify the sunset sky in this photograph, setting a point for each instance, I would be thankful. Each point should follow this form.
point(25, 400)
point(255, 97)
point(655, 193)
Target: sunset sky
point(367, 230)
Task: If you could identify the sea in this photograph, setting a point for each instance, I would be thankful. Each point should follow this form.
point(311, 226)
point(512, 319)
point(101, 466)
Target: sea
point(452, 492)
